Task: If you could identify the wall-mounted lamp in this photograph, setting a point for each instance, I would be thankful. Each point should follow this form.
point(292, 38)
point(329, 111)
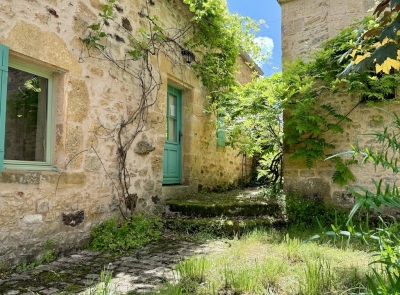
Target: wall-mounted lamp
point(189, 56)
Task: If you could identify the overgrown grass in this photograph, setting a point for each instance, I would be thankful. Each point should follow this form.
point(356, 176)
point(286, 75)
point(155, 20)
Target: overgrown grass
point(269, 262)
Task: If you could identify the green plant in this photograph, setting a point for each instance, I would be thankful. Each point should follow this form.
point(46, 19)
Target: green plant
point(385, 239)
point(47, 252)
point(244, 280)
point(272, 193)
point(187, 288)
point(303, 212)
point(377, 44)
point(193, 269)
point(105, 285)
point(254, 124)
point(119, 236)
point(254, 112)
point(318, 278)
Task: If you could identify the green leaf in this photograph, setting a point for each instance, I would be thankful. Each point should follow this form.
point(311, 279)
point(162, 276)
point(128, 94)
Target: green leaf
point(384, 52)
point(94, 27)
point(391, 30)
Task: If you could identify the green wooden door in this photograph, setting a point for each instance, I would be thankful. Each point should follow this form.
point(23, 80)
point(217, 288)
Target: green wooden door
point(172, 160)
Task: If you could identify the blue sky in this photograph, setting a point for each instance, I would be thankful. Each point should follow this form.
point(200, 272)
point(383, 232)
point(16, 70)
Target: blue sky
point(270, 33)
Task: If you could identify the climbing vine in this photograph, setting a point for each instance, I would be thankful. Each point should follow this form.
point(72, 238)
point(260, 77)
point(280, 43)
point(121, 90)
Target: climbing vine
point(211, 42)
point(309, 122)
point(302, 94)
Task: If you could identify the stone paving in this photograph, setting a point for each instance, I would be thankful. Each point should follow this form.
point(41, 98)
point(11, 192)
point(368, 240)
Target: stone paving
point(140, 272)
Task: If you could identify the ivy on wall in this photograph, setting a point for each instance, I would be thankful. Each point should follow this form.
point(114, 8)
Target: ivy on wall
point(308, 122)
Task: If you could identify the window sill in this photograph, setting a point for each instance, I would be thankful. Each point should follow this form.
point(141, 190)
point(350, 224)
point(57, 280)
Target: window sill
point(28, 166)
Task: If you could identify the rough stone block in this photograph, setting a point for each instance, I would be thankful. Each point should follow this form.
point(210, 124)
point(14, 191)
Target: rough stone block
point(35, 218)
point(78, 101)
point(42, 206)
point(92, 163)
point(144, 147)
point(68, 180)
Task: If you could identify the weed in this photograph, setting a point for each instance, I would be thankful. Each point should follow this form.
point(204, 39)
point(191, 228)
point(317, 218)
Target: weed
point(318, 278)
point(244, 280)
point(105, 286)
point(269, 262)
point(115, 236)
point(193, 269)
point(188, 288)
point(304, 212)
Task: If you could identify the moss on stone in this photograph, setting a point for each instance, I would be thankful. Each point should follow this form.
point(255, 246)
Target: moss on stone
point(74, 288)
point(230, 210)
point(219, 226)
point(48, 276)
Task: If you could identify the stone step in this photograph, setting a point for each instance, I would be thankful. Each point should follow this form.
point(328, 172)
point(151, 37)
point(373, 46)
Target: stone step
point(194, 208)
point(221, 226)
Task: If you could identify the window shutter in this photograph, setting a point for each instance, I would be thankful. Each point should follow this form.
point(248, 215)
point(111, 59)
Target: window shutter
point(3, 99)
point(221, 131)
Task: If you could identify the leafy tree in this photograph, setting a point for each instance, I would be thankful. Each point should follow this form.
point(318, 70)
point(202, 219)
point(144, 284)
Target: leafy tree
point(377, 42)
point(254, 116)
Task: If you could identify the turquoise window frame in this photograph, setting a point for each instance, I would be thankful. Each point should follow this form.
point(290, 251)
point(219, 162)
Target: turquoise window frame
point(36, 165)
point(221, 132)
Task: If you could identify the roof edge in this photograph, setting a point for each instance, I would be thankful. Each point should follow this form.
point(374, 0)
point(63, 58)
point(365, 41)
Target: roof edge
point(247, 58)
point(284, 1)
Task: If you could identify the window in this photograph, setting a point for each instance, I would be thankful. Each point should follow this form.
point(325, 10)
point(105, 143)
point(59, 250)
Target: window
point(221, 132)
point(25, 116)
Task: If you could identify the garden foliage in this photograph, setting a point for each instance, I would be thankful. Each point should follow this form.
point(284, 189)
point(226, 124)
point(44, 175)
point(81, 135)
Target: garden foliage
point(377, 44)
point(386, 238)
point(255, 110)
point(118, 236)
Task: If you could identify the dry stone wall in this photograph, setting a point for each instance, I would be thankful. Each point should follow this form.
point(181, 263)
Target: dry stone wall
point(89, 93)
point(305, 24)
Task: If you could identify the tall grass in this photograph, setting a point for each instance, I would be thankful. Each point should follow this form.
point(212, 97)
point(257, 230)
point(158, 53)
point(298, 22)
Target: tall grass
point(266, 262)
point(318, 278)
point(193, 269)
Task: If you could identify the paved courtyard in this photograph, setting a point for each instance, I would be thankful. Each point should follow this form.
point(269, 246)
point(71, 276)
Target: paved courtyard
point(141, 271)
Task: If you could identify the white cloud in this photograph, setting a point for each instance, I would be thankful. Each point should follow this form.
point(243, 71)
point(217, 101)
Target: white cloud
point(266, 45)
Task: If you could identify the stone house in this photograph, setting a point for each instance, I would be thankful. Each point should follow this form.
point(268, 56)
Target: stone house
point(58, 112)
point(305, 24)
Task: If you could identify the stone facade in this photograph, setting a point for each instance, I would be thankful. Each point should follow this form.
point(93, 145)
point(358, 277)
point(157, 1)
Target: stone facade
point(305, 24)
point(63, 206)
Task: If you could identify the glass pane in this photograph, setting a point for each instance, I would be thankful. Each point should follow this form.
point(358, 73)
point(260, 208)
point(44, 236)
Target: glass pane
point(172, 106)
point(25, 138)
point(172, 135)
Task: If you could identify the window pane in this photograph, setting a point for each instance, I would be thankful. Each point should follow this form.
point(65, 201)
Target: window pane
point(172, 106)
point(26, 116)
point(172, 129)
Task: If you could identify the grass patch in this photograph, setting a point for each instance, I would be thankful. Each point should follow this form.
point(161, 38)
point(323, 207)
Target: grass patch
point(270, 262)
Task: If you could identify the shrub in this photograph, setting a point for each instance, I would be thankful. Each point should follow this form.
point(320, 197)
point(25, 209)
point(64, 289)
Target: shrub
point(306, 212)
point(119, 236)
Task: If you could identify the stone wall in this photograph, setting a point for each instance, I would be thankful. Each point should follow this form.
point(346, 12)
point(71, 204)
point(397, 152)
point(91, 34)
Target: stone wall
point(305, 24)
point(63, 206)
